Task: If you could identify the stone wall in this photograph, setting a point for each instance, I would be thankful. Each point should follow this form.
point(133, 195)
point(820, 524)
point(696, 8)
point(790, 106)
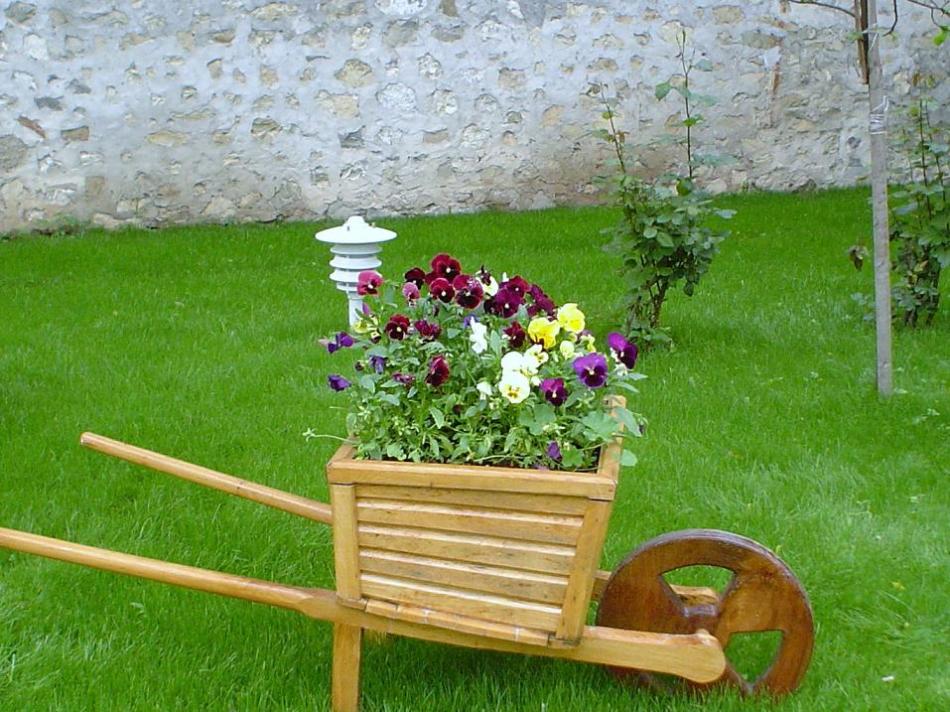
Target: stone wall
point(172, 112)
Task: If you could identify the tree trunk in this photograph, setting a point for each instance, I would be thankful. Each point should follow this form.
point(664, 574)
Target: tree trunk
point(882, 257)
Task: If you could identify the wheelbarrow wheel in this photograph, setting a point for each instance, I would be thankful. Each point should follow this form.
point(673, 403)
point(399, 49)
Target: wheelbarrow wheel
point(761, 596)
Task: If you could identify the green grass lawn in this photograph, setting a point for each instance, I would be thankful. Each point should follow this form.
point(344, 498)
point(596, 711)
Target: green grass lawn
point(200, 343)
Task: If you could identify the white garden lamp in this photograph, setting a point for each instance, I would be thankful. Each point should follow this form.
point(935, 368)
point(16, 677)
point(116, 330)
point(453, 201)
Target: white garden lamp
point(354, 246)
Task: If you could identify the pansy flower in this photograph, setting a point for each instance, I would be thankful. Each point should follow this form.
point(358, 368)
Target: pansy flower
point(515, 335)
point(505, 303)
point(438, 371)
point(410, 291)
point(516, 284)
point(544, 331)
point(468, 291)
point(554, 391)
point(442, 289)
point(416, 275)
point(337, 382)
point(406, 379)
point(591, 370)
point(624, 351)
point(514, 386)
point(378, 363)
point(397, 327)
point(571, 318)
point(427, 330)
point(554, 451)
point(368, 282)
point(540, 302)
point(341, 341)
point(446, 266)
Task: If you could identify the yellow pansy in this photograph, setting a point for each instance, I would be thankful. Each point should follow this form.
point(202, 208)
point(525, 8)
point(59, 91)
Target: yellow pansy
point(543, 331)
point(571, 318)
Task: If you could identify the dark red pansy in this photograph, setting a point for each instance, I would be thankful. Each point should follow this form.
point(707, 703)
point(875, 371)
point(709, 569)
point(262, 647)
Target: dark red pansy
point(416, 275)
point(397, 327)
point(444, 265)
point(438, 371)
point(516, 335)
point(442, 289)
point(406, 379)
point(505, 303)
point(427, 330)
point(517, 285)
point(469, 291)
point(540, 302)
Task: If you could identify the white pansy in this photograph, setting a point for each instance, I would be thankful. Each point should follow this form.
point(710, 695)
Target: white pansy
point(537, 357)
point(491, 289)
point(484, 389)
point(477, 337)
point(514, 386)
point(567, 349)
point(512, 361)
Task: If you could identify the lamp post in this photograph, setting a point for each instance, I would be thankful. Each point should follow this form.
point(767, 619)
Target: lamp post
point(355, 245)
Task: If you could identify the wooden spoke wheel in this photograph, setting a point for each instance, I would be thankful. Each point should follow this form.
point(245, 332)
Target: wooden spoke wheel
point(762, 595)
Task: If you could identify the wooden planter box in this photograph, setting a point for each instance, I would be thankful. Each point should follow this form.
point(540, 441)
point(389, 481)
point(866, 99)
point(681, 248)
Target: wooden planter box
point(500, 552)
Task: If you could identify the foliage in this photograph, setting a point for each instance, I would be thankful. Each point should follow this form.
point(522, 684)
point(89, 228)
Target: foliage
point(920, 221)
point(920, 224)
point(458, 368)
point(663, 238)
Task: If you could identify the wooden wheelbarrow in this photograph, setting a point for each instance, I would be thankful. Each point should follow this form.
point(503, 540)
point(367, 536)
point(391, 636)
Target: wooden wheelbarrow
point(480, 558)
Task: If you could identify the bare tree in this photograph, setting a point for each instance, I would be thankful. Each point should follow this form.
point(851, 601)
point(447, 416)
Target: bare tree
point(868, 32)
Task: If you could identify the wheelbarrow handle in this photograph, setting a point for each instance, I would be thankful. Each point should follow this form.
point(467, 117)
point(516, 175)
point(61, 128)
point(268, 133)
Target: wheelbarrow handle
point(295, 504)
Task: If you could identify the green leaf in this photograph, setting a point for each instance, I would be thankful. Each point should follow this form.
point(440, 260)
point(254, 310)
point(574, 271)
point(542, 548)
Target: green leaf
point(941, 36)
point(704, 65)
point(628, 459)
point(437, 416)
point(662, 89)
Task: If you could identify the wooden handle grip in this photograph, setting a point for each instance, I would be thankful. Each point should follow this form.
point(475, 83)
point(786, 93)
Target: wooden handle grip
point(301, 506)
point(223, 584)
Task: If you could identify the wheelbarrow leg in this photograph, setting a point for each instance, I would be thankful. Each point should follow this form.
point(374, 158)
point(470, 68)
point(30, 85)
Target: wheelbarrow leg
point(347, 647)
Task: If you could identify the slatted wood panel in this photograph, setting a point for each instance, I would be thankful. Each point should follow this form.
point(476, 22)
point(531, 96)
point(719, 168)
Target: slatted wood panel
point(526, 585)
point(499, 552)
point(527, 526)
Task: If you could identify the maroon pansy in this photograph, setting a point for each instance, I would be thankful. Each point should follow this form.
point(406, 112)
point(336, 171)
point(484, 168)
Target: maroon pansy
point(516, 335)
point(442, 289)
point(428, 330)
point(505, 303)
point(517, 285)
point(397, 327)
point(368, 282)
point(468, 291)
point(416, 275)
point(406, 379)
point(438, 371)
point(446, 266)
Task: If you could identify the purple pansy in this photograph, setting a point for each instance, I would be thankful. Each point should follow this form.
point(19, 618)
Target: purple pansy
point(406, 379)
point(337, 382)
point(553, 390)
point(554, 451)
point(591, 370)
point(378, 363)
point(625, 351)
point(341, 341)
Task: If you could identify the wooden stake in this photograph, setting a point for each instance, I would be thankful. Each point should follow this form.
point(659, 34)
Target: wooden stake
point(347, 646)
point(882, 250)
